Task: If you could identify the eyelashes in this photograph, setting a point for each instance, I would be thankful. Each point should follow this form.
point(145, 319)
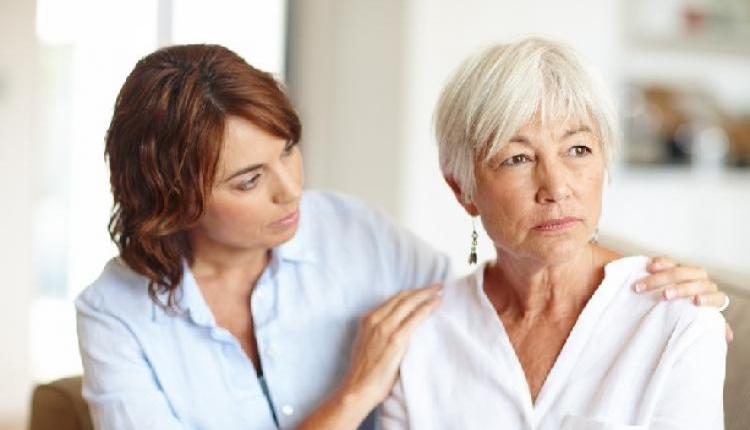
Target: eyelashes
point(577, 151)
point(249, 184)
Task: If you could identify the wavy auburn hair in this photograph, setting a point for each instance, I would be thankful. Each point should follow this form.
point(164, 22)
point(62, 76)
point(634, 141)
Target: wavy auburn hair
point(163, 147)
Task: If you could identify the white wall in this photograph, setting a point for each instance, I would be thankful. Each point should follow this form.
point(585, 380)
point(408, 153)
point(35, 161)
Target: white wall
point(345, 74)
point(17, 179)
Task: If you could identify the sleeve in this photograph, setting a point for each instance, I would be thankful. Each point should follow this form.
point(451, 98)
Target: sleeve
point(393, 414)
point(118, 382)
point(414, 262)
point(693, 395)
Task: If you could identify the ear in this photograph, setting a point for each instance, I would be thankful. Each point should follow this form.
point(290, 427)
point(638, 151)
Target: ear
point(467, 204)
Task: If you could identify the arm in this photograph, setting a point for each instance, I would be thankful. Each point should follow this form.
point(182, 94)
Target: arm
point(118, 383)
point(693, 394)
point(677, 281)
point(381, 344)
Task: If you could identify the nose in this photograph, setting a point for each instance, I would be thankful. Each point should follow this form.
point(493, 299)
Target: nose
point(554, 183)
point(288, 188)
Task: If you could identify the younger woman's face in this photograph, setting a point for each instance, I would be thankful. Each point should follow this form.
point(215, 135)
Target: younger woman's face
point(256, 194)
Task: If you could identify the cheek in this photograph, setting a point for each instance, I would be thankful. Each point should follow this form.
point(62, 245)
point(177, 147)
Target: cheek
point(502, 205)
point(227, 217)
point(299, 166)
point(591, 189)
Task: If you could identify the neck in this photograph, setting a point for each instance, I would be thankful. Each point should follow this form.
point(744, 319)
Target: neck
point(529, 287)
point(234, 270)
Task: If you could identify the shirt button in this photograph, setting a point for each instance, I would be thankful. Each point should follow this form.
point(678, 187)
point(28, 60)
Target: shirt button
point(287, 410)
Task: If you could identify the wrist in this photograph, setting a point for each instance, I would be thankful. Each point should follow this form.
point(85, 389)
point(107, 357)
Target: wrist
point(357, 402)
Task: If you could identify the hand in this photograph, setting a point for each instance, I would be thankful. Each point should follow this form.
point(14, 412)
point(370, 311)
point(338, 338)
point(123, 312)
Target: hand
point(381, 344)
point(676, 281)
point(382, 341)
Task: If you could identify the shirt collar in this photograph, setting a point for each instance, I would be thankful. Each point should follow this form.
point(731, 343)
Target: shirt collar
point(189, 301)
point(189, 298)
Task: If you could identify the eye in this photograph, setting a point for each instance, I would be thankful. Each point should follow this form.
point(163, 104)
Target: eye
point(579, 151)
point(249, 184)
point(289, 147)
point(516, 160)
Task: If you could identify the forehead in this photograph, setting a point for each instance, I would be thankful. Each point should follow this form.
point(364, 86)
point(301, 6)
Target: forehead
point(246, 143)
point(556, 126)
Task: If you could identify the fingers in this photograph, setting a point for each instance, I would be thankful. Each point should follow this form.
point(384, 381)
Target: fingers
point(383, 338)
point(660, 263)
point(690, 288)
point(407, 305)
point(714, 300)
point(387, 308)
point(673, 275)
point(419, 314)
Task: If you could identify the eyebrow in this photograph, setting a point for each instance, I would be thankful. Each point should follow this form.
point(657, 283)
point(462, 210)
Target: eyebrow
point(567, 134)
point(581, 129)
point(243, 171)
point(519, 139)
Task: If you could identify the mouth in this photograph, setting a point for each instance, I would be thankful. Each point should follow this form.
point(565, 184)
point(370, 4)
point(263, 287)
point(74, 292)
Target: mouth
point(287, 221)
point(557, 224)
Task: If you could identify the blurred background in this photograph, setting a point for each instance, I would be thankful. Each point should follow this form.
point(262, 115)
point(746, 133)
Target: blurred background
point(364, 75)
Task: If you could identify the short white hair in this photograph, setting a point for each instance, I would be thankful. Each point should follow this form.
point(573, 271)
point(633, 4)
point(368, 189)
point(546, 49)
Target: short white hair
point(497, 91)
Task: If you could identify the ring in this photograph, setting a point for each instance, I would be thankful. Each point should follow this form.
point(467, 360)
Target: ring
point(725, 305)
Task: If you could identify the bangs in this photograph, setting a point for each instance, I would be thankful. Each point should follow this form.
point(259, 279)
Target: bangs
point(545, 89)
point(495, 92)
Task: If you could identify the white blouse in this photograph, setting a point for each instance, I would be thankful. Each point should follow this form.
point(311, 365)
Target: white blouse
point(631, 361)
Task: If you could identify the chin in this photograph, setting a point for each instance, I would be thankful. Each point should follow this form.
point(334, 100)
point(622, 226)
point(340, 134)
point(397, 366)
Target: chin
point(559, 250)
point(283, 237)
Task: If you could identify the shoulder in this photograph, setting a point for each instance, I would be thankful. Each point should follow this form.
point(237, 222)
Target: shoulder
point(118, 291)
point(332, 207)
point(330, 217)
point(680, 318)
point(463, 313)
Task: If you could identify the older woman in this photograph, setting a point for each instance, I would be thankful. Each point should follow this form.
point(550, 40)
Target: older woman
point(236, 297)
point(551, 335)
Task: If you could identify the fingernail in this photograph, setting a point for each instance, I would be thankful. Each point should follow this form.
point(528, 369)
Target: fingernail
point(639, 287)
point(669, 294)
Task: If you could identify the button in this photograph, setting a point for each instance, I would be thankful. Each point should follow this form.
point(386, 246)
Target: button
point(287, 410)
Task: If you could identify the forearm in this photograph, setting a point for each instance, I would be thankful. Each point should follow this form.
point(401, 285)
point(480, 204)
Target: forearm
point(344, 410)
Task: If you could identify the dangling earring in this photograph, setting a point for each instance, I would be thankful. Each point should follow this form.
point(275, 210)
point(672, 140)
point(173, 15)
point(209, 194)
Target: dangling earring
point(595, 236)
point(473, 250)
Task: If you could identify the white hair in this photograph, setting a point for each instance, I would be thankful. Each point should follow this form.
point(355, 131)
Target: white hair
point(497, 91)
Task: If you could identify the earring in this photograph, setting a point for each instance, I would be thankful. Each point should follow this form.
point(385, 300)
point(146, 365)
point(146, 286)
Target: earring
point(595, 236)
point(473, 250)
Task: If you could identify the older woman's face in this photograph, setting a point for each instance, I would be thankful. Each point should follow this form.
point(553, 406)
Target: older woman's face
point(540, 196)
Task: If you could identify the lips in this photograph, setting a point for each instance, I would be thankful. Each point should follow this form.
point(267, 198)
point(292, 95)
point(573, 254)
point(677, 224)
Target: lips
point(287, 220)
point(557, 224)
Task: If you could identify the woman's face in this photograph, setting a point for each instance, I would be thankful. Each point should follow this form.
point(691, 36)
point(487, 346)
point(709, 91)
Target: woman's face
point(257, 190)
point(540, 197)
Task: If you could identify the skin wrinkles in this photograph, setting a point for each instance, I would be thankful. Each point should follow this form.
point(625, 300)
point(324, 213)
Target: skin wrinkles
point(543, 277)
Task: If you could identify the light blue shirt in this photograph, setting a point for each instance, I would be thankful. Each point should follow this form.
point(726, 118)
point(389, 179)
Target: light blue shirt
point(145, 368)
